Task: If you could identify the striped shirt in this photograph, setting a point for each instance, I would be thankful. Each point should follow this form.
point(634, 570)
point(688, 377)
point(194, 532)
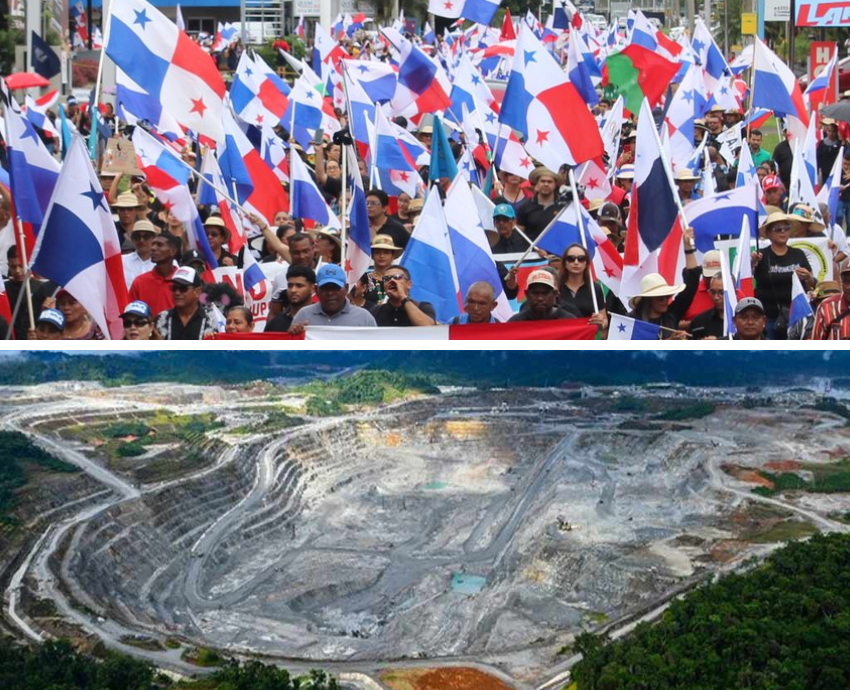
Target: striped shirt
point(829, 324)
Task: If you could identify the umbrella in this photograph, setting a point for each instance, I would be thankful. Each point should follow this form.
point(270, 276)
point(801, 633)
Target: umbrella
point(25, 80)
point(838, 111)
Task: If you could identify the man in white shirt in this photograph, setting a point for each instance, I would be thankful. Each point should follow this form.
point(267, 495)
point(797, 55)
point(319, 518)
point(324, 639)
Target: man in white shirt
point(139, 261)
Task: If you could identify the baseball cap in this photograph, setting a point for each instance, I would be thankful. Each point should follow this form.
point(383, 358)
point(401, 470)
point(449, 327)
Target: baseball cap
point(771, 182)
point(748, 302)
point(609, 211)
point(330, 274)
point(192, 256)
point(54, 316)
point(542, 277)
point(504, 210)
point(711, 263)
point(185, 275)
point(138, 308)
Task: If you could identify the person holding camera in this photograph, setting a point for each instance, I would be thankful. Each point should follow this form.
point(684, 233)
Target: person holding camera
point(400, 309)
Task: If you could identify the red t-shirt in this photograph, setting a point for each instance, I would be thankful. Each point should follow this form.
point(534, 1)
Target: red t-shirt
point(150, 287)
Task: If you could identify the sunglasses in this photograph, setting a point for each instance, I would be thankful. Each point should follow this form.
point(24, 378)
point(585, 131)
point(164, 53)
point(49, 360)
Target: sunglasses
point(177, 287)
point(137, 323)
point(397, 276)
point(781, 228)
point(574, 259)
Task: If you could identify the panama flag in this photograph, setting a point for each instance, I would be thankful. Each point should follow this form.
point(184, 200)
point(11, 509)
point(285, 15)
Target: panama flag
point(422, 85)
point(480, 11)
point(654, 238)
point(377, 79)
point(133, 104)
point(307, 200)
point(358, 252)
point(450, 9)
point(168, 65)
point(255, 185)
point(37, 115)
point(714, 215)
point(429, 258)
point(395, 167)
point(594, 177)
point(468, 89)
point(542, 104)
point(822, 89)
point(688, 103)
point(300, 30)
point(472, 256)
point(326, 49)
point(627, 328)
point(801, 189)
point(743, 270)
point(775, 87)
point(730, 296)
point(746, 168)
point(33, 173)
point(211, 195)
point(78, 246)
point(168, 177)
point(257, 94)
point(361, 112)
point(577, 70)
point(800, 307)
point(831, 188)
point(273, 152)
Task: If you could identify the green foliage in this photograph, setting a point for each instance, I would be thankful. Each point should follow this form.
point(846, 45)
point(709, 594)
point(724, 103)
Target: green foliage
point(130, 450)
point(694, 411)
point(784, 625)
point(363, 388)
point(55, 665)
point(122, 429)
point(827, 479)
point(16, 451)
point(832, 405)
point(9, 38)
point(629, 403)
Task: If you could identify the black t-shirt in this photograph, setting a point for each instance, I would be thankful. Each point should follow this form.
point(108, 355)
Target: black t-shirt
point(395, 230)
point(555, 314)
point(534, 218)
point(192, 329)
point(279, 324)
point(40, 291)
point(582, 301)
point(705, 324)
point(388, 315)
point(332, 188)
point(511, 245)
point(773, 278)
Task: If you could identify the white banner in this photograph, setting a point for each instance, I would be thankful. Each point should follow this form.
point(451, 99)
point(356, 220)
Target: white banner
point(816, 248)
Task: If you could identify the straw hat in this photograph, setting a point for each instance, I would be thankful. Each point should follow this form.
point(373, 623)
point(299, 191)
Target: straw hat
point(595, 205)
point(685, 175)
point(145, 226)
point(330, 233)
point(385, 242)
point(415, 206)
point(539, 172)
point(127, 200)
point(654, 285)
point(805, 216)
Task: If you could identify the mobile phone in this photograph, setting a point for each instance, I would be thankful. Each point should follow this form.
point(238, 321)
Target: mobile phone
point(319, 137)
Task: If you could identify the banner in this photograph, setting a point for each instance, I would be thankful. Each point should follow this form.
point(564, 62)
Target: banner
point(816, 248)
point(258, 298)
point(825, 13)
point(563, 329)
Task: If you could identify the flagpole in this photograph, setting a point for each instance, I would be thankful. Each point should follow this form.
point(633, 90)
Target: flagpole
point(752, 93)
point(577, 202)
point(93, 106)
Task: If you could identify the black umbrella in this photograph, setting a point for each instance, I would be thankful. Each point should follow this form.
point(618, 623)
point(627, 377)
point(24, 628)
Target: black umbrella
point(838, 111)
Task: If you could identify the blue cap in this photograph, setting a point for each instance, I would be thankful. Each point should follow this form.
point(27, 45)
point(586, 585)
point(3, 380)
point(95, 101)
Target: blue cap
point(505, 210)
point(330, 274)
point(138, 308)
point(54, 316)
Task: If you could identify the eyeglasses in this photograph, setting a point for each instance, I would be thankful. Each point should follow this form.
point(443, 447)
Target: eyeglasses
point(715, 293)
point(138, 323)
point(373, 203)
point(179, 287)
point(574, 259)
point(397, 276)
point(213, 234)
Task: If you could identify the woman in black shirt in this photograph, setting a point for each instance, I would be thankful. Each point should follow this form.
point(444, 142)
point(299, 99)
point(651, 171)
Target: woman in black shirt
point(576, 281)
point(772, 271)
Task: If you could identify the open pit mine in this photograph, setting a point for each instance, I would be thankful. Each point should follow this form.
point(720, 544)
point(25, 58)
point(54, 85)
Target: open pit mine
point(470, 528)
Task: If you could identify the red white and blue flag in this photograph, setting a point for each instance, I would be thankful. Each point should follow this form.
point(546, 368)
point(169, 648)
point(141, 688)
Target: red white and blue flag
point(542, 104)
point(775, 87)
point(78, 246)
point(167, 65)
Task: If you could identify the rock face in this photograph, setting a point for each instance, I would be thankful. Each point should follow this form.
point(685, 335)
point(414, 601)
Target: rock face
point(449, 527)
